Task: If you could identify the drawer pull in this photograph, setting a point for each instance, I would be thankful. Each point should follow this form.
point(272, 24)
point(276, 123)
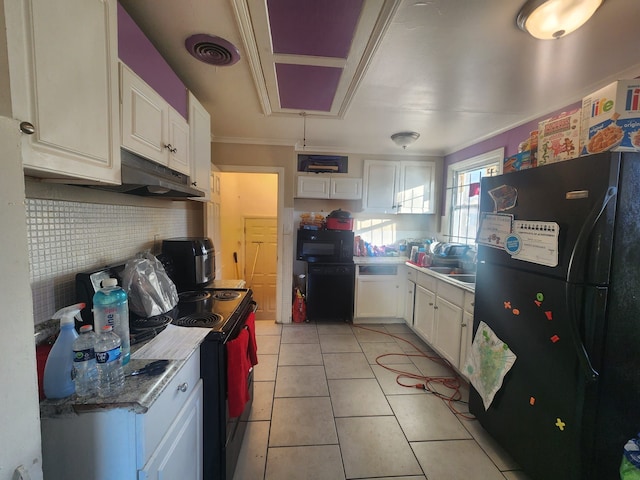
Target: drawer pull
point(183, 387)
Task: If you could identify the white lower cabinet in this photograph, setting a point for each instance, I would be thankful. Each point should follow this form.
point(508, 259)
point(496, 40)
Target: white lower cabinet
point(442, 317)
point(165, 442)
point(466, 337)
point(378, 292)
point(424, 313)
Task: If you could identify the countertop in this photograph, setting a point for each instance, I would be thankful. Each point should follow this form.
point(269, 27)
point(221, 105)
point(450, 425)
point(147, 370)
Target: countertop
point(400, 260)
point(140, 391)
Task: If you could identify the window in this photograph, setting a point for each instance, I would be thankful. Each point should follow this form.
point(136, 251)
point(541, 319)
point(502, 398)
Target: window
point(463, 194)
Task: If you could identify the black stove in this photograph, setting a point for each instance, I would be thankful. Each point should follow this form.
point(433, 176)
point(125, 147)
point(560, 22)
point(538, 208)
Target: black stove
point(217, 309)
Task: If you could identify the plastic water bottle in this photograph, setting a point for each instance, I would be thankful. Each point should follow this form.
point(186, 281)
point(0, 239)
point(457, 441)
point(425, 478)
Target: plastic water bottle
point(111, 307)
point(85, 370)
point(109, 362)
point(57, 381)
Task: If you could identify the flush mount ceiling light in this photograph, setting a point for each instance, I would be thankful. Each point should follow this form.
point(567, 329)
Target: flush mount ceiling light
point(404, 139)
point(549, 19)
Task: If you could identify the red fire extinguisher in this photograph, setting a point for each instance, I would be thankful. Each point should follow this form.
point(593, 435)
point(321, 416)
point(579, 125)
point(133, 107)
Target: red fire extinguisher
point(299, 312)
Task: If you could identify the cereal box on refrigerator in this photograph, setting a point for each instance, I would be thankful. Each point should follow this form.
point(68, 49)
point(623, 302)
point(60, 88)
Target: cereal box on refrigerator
point(559, 137)
point(611, 118)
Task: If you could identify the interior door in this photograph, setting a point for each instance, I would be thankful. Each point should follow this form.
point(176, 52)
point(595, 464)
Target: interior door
point(261, 258)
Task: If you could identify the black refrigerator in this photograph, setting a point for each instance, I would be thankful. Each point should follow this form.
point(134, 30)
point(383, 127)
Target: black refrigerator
point(558, 281)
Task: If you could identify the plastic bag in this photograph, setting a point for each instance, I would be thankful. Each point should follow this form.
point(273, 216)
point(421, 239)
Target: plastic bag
point(630, 466)
point(151, 291)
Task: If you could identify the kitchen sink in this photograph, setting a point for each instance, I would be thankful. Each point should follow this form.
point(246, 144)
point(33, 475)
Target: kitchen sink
point(443, 270)
point(463, 277)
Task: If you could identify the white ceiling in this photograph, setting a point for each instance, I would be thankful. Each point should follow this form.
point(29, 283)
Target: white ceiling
point(455, 71)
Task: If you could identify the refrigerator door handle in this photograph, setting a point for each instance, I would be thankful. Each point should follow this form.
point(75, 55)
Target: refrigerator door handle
point(580, 247)
point(577, 256)
point(590, 373)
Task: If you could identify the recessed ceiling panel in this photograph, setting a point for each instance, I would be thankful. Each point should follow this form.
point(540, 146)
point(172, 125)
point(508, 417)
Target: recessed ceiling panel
point(307, 87)
point(322, 28)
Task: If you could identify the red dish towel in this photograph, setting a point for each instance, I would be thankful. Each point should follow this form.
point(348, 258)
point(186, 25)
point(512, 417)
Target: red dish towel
point(238, 366)
point(253, 345)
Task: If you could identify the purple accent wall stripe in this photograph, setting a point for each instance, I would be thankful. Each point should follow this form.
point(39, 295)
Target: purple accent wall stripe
point(139, 54)
point(323, 28)
point(306, 87)
point(509, 139)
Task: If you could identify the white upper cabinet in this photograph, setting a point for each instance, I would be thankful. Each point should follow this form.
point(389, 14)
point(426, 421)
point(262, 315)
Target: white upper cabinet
point(380, 186)
point(64, 83)
point(322, 186)
point(398, 187)
point(150, 126)
point(200, 136)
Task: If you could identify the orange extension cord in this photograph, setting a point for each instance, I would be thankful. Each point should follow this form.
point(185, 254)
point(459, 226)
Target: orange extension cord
point(426, 383)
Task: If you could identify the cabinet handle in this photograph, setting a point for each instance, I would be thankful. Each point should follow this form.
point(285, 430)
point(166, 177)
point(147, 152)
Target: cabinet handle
point(183, 387)
point(431, 304)
point(171, 148)
point(463, 325)
point(195, 184)
point(473, 304)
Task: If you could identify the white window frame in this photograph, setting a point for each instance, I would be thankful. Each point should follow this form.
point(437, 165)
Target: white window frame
point(478, 161)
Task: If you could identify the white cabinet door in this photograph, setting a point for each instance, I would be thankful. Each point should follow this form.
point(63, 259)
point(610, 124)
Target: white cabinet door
point(313, 186)
point(448, 328)
point(178, 141)
point(200, 148)
point(416, 192)
point(150, 126)
point(409, 300)
point(346, 188)
point(380, 186)
point(64, 81)
point(179, 454)
point(377, 296)
point(424, 313)
point(466, 339)
point(144, 118)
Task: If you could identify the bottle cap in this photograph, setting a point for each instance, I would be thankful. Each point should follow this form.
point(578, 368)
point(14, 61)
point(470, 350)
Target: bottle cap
point(86, 328)
point(107, 328)
point(109, 282)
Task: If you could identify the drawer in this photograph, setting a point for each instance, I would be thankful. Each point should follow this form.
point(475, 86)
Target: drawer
point(411, 274)
point(451, 293)
point(156, 422)
point(469, 299)
point(426, 281)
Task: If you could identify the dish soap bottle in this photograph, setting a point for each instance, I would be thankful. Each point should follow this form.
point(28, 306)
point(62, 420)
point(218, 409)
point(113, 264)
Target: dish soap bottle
point(57, 381)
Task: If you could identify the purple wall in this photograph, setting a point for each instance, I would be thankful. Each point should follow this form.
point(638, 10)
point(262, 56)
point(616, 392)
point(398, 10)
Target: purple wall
point(139, 54)
point(509, 140)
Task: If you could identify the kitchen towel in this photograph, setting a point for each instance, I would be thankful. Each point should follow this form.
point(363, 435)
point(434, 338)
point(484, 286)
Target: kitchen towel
point(238, 365)
point(253, 345)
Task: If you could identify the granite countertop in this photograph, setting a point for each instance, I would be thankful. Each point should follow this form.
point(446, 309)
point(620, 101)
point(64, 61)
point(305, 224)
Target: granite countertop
point(469, 287)
point(140, 391)
point(377, 260)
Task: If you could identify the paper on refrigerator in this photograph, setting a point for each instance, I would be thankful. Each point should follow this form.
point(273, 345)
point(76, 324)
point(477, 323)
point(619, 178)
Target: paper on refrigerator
point(488, 362)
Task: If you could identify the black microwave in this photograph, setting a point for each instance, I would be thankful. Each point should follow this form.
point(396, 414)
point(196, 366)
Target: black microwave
point(325, 246)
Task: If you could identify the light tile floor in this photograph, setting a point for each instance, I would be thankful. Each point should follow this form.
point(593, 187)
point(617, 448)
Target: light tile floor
point(323, 409)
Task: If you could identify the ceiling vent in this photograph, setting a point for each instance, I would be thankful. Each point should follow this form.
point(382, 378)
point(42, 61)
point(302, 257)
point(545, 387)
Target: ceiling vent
point(212, 50)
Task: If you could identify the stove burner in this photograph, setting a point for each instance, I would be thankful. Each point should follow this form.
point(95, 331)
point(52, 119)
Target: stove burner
point(193, 296)
point(199, 319)
point(226, 295)
point(155, 322)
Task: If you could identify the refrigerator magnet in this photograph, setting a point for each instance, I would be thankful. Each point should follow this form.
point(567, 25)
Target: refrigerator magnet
point(504, 197)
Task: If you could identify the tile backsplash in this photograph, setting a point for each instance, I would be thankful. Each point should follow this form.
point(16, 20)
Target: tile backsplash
point(67, 237)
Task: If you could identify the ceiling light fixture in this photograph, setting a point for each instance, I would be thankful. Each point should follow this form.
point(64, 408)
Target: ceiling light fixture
point(404, 139)
point(549, 19)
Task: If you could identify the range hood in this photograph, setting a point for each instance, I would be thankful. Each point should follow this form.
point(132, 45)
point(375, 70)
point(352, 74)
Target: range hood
point(148, 179)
